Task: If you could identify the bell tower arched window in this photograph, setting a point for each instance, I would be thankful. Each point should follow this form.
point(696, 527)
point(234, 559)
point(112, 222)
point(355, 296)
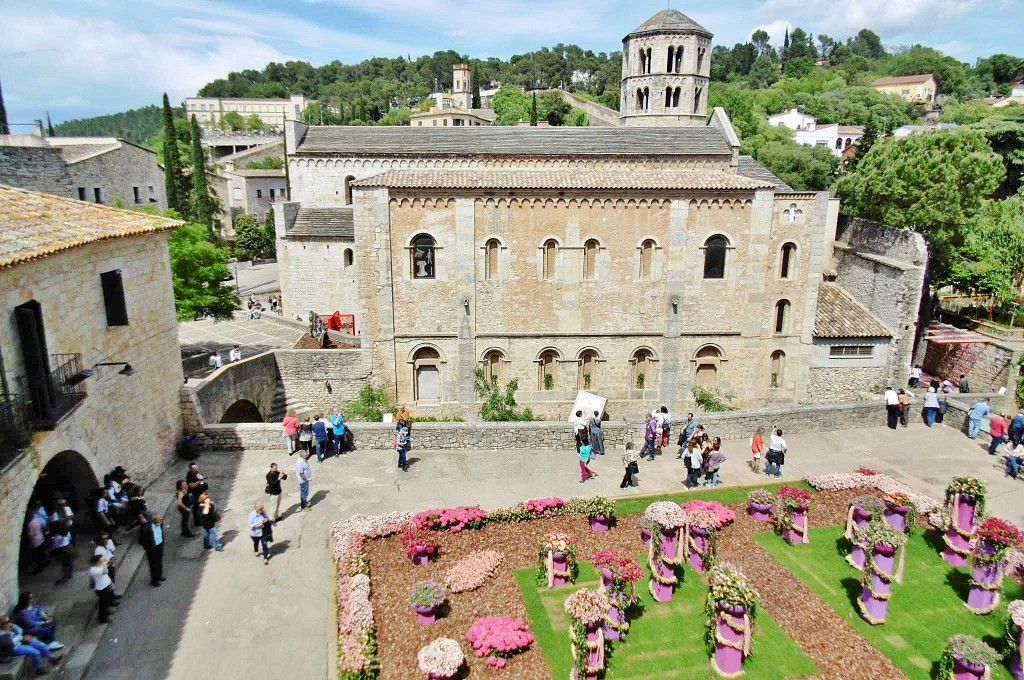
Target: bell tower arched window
point(590, 250)
point(647, 259)
point(781, 316)
point(550, 255)
point(491, 250)
point(787, 263)
point(715, 249)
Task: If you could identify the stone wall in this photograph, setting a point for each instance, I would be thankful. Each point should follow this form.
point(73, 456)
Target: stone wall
point(313, 275)
point(36, 168)
point(323, 379)
point(987, 365)
point(118, 173)
point(253, 379)
point(832, 385)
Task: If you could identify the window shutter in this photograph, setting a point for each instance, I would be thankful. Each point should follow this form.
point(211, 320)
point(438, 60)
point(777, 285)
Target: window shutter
point(113, 298)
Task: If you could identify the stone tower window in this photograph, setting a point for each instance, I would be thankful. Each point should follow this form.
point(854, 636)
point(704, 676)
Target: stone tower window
point(646, 259)
point(348, 189)
point(548, 363)
point(587, 378)
point(700, 57)
point(349, 257)
point(550, 258)
point(491, 250)
point(715, 249)
point(781, 316)
point(708, 359)
point(645, 60)
point(778, 366)
point(426, 366)
point(423, 257)
point(642, 375)
point(590, 250)
point(696, 98)
point(494, 366)
point(675, 59)
point(788, 261)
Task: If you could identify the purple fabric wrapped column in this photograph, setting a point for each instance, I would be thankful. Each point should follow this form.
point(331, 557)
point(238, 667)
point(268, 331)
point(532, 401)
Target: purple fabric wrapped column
point(662, 589)
point(732, 641)
point(960, 530)
point(425, 615)
point(645, 536)
point(963, 670)
point(988, 577)
point(595, 654)
point(798, 532)
point(1016, 668)
point(874, 597)
point(896, 516)
point(615, 626)
point(760, 511)
point(421, 556)
point(857, 552)
point(700, 546)
point(600, 523)
point(560, 565)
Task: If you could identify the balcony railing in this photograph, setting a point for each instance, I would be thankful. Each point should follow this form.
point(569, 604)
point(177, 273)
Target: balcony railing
point(66, 396)
point(15, 431)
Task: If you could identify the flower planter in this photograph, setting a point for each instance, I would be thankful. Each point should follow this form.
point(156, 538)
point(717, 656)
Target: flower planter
point(662, 591)
point(617, 611)
point(426, 615)
point(964, 670)
point(645, 536)
point(421, 556)
point(857, 557)
point(1016, 667)
point(988, 577)
point(896, 517)
point(600, 523)
point(960, 530)
point(798, 532)
point(861, 516)
point(732, 640)
point(762, 512)
point(595, 654)
point(877, 588)
point(700, 546)
point(561, 566)
point(858, 553)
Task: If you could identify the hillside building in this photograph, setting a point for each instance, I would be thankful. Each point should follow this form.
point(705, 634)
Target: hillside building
point(917, 89)
point(209, 111)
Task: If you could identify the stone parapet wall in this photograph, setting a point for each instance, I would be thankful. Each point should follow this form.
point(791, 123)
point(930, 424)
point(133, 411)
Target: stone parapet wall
point(986, 364)
point(833, 385)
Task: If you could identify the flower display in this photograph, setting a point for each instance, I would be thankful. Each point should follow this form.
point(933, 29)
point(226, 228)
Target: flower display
point(560, 543)
point(499, 637)
point(539, 506)
point(868, 503)
point(472, 571)
point(867, 471)
point(619, 562)
point(761, 497)
point(723, 514)
point(426, 594)
point(666, 515)
point(841, 481)
point(1000, 533)
point(966, 648)
point(451, 519)
point(588, 606)
point(727, 584)
point(879, 532)
point(704, 519)
point(418, 540)
point(442, 658)
point(794, 497)
point(1016, 610)
point(968, 486)
point(591, 507)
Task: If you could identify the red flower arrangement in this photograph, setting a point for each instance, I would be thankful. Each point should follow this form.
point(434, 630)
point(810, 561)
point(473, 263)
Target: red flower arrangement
point(794, 496)
point(417, 540)
point(724, 514)
point(619, 562)
point(1000, 533)
point(867, 471)
point(539, 506)
point(451, 519)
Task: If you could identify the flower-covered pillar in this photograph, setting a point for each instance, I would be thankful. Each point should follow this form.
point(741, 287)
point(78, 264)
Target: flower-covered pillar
point(558, 560)
point(731, 607)
point(619, 574)
point(862, 510)
point(1015, 637)
point(965, 503)
point(791, 517)
point(967, 658)
point(996, 538)
point(700, 539)
point(441, 659)
point(900, 512)
point(666, 551)
point(880, 569)
point(587, 610)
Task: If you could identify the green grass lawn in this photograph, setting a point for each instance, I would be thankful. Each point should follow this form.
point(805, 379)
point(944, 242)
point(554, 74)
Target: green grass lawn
point(665, 640)
point(725, 495)
point(925, 610)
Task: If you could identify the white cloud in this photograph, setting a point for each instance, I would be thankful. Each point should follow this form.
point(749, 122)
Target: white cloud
point(776, 29)
point(885, 17)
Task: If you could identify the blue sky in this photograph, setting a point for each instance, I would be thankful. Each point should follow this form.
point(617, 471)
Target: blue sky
point(78, 58)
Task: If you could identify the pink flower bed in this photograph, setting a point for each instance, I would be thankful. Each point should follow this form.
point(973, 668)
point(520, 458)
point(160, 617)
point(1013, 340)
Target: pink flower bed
point(539, 506)
point(724, 514)
point(451, 519)
point(472, 571)
point(841, 481)
point(499, 637)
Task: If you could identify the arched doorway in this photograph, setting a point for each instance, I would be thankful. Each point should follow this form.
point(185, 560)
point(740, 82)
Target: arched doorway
point(708, 360)
point(242, 411)
point(426, 365)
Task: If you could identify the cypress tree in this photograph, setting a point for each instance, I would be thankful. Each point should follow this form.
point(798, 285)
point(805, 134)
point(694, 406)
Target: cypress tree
point(49, 126)
point(533, 110)
point(476, 91)
point(202, 206)
point(176, 199)
point(5, 129)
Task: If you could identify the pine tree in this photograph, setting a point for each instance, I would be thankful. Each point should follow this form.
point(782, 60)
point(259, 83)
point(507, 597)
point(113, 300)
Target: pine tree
point(49, 126)
point(5, 129)
point(176, 199)
point(476, 91)
point(533, 110)
point(202, 206)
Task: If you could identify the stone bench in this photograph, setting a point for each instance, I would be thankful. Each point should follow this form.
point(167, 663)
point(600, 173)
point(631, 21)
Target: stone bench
point(15, 668)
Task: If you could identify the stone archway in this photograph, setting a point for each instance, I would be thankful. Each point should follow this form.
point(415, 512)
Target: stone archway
point(242, 411)
point(68, 475)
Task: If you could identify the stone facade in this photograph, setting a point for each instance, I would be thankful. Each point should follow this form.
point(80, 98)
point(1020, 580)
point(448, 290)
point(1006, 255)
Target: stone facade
point(832, 385)
point(122, 420)
point(125, 172)
point(987, 365)
point(37, 168)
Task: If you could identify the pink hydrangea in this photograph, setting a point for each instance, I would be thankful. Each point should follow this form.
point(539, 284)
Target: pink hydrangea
point(541, 505)
point(666, 513)
point(451, 519)
point(499, 636)
point(841, 481)
point(725, 515)
point(472, 571)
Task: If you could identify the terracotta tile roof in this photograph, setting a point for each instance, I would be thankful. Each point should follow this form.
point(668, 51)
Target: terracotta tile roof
point(851, 129)
point(34, 224)
point(565, 179)
point(485, 140)
point(838, 315)
point(903, 80)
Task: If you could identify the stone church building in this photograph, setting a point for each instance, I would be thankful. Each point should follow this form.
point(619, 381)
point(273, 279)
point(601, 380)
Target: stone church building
point(632, 261)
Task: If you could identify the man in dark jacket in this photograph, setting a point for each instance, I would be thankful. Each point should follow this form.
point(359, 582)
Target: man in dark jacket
point(151, 538)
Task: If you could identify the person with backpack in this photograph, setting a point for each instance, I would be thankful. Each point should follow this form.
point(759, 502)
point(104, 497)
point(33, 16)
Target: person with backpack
point(586, 454)
point(776, 457)
point(689, 427)
point(402, 441)
point(694, 462)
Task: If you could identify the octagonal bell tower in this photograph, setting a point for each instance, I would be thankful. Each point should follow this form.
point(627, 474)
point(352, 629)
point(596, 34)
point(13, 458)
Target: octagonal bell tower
point(666, 71)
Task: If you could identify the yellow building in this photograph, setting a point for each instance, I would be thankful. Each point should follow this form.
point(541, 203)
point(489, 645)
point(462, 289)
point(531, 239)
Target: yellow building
point(919, 89)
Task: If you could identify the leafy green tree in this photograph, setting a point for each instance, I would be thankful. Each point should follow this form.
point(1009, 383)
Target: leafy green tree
point(202, 203)
point(372, 404)
point(738, 102)
point(254, 123)
point(799, 67)
point(269, 234)
point(867, 44)
point(176, 197)
point(950, 74)
point(198, 270)
point(499, 404)
point(475, 78)
point(250, 237)
point(511, 105)
point(764, 72)
point(233, 121)
point(49, 126)
point(761, 41)
point(991, 260)
point(803, 167)
point(268, 163)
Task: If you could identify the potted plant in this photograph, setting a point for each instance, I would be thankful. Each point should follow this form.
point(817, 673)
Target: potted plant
point(967, 657)
point(441, 659)
point(862, 510)
point(759, 502)
point(426, 597)
point(599, 510)
point(965, 503)
point(420, 543)
point(791, 513)
point(666, 550)
point(900, 511)
point(995, 539)
point(620, 572)
point(557, 560)
point(1015, 637)
point(499, 638)
point(587, 610)
point(701, 540)
point(880, 568)
point(731, 608)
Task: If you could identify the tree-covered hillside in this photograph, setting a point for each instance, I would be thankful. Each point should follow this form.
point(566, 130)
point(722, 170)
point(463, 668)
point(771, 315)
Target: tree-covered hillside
point(136, 126)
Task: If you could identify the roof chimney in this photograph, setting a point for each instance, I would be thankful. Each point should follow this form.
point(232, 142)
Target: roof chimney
point(38, 128)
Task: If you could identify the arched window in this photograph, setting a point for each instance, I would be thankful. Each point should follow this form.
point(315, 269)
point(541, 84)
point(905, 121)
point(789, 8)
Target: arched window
point(491, 250)
point(348, 189)
point(781, 316)
point(494, 366)
point(787, 258)
point(777, 369)
point(349, 257)
point(708, 359)
point(590, 249)
point(426, 368)
point(648, 56)
point(646, 259)
point(839, 144)
point(642, 375)
point(675, 97)
point(696, 99)
point(639, 99)
point(587, 378)
point(423, 253)
point(714, 257)
point(849, 141)
point(671, 59)
point(548, 375)
point(700, 57)
point(668, 96)
point(550, 258)
point(679, 60)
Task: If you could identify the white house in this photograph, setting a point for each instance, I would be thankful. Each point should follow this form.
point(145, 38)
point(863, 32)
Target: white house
point(794, 119)
point(836, 138)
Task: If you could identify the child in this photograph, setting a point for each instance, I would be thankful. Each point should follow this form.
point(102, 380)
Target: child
point(757, 448)
point(402, 445)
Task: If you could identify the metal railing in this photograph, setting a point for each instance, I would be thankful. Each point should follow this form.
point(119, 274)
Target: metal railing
point(66, 396)
point(15, 430)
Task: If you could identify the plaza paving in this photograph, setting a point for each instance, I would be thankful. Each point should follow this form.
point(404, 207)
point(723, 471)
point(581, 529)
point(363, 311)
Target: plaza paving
point(226, 615)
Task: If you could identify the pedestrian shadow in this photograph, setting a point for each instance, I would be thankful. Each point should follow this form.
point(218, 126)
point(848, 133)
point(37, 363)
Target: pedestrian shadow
point(411, 461)
point(318, 497)
point(279, 547)
point(228, 536)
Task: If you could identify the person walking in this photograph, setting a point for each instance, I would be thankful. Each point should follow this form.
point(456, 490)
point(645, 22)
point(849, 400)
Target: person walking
point(35, 531)
point(260, 531)
point(151, 538)
point(1017, 427)
point(103, 587)
point(291, 431)
point(964, 386)
point(60, 541)
point(197, 486)
point(975, 416)
point(905, 399)
point(338, 430)
point(776, 453)
point(931, 406)
point(579, 428)
point(693, 461)
point(320, 436)
point(757, 449)
point(304, 473)
point(208, 518)
point(586, 454)
point(629, 461)
point(597, 434)
point(650, 432)
point(915, 376)
point(306, 435)
point(402, 442)
point(183, 502)
point(274, 492)
point(892, 408)
point(666, 426)
point(997, 430)
point(714, 463)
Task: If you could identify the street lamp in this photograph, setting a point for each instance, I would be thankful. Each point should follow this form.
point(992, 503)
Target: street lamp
point(87, 373)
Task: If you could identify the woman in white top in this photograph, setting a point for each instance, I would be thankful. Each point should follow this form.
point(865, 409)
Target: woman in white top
point(105, 549)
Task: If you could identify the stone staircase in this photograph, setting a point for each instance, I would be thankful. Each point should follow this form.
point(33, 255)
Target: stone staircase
point(282, 403)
